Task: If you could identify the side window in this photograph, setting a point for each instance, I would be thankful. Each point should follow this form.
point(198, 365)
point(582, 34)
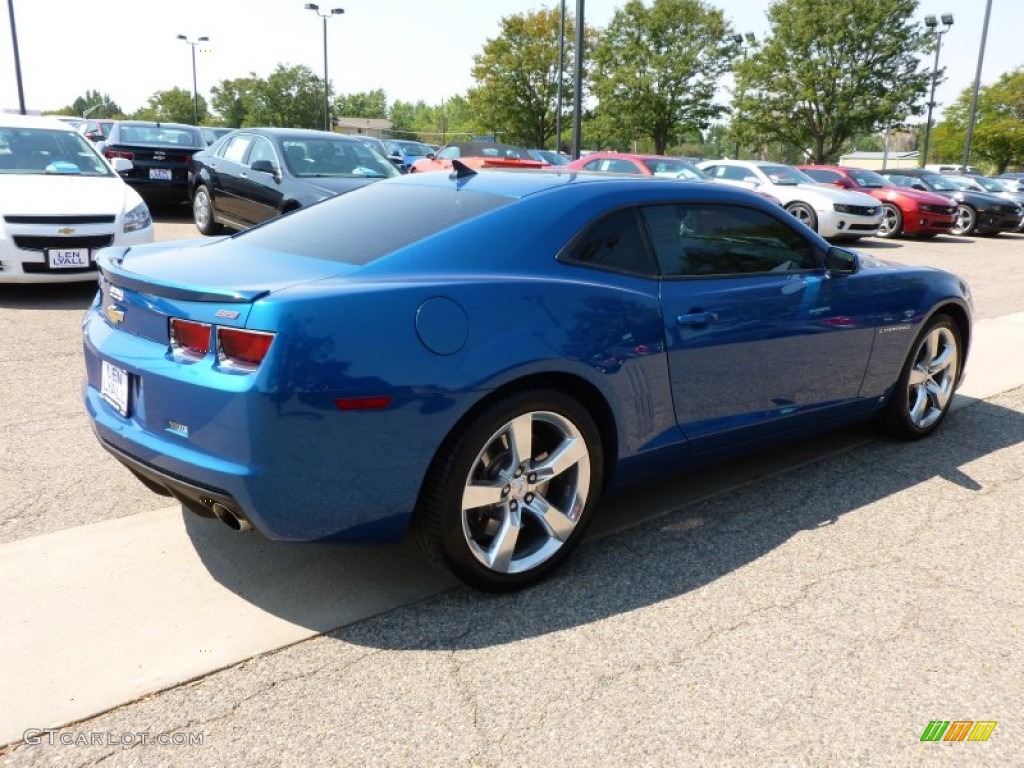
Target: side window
point(823, 177)
point(449, 153)
point(263, 150)
point(693, 240)
point(615, 242)
point(593, 165)
point(735, 173)
point(236, 148)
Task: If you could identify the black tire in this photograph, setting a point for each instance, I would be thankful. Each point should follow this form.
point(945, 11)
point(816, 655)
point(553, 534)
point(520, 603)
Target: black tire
point(892, 221)
point(804, 213)
point(538, 508)
point(202, 212)
point(966, 220)
point(927, 382)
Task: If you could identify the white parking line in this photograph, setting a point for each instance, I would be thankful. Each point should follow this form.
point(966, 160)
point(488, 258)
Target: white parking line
point(102, 614)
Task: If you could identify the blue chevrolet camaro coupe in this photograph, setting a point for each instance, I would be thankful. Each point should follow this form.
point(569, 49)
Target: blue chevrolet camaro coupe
point(476, 372)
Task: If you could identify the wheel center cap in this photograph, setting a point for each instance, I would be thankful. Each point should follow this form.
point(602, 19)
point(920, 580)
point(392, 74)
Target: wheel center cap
point(518, 487)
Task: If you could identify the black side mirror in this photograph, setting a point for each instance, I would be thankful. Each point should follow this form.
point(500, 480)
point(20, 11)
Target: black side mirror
point(265, 166)
point(839, 261)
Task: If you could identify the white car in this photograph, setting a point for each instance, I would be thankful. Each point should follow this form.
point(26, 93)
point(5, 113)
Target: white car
point(61, 203)
point(829, 211)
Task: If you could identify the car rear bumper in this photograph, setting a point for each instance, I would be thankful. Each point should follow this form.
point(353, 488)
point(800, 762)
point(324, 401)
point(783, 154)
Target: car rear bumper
point(292, 465)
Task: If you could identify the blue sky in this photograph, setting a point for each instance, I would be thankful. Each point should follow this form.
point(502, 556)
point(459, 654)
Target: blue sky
point(413, 49)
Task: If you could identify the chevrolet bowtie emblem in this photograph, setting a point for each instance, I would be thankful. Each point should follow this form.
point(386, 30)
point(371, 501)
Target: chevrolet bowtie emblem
point(66, 231)
point(114, 314)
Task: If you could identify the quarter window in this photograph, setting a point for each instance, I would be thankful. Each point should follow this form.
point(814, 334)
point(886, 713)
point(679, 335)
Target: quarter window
point(702, 240)
point(616, 242)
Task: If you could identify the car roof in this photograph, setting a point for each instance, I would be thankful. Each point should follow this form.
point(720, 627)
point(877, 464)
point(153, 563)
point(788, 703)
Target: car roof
point(298, 133)
point(522, 183)
point(470, 148)
point(157, 123)
point(36, 121)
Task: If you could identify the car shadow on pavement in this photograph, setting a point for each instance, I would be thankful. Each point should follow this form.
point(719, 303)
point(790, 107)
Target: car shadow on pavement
point(48, 296)
point(698, 527)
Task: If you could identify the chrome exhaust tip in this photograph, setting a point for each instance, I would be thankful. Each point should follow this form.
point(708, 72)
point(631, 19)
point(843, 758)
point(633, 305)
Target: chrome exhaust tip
point(230, 518)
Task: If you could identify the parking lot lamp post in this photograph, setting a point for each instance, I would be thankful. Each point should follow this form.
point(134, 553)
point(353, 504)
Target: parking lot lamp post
point(738, 39)
point(977, 83)
point(195, 90)
point(932, 23)
point(17, 58)
point(333, 12)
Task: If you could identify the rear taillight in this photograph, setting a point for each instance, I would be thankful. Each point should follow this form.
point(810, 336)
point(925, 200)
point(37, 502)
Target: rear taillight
point(190, 339)
point(112, 153)
point(239, 348)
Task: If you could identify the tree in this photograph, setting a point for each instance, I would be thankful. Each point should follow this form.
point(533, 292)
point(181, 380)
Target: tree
point(657, 69)
point(829, 72)
point(233, 99)
point(998, 135)
point(172, 106)
point(372, 105)
point(291, 97)
point(517, 78)
point(97, 105)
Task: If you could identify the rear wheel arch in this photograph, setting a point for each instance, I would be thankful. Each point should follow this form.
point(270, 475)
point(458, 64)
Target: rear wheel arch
point(569, 384)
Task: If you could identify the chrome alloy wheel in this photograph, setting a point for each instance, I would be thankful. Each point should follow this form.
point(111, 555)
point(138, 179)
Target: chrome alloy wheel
point(526, 492)
point(201, 209)
point(932, 377)
point(892, 221)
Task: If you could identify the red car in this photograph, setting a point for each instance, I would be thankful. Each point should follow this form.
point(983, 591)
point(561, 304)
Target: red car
point(645, 165)
point(904, 211)
point(477, 154)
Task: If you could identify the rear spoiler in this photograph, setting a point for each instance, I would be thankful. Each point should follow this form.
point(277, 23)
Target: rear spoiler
point(109, 263)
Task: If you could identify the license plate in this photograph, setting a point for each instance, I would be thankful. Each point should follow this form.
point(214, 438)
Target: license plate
point(67, 258)
point(114, 387)
point(160, 174)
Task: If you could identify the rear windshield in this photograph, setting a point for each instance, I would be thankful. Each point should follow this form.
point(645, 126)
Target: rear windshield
point(156, 134)
point(361, 226)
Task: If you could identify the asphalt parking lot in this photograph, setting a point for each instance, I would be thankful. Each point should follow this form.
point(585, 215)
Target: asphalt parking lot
point(820, 605)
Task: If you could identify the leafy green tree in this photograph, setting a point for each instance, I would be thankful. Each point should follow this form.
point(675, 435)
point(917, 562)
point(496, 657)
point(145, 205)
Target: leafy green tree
point(831, 71)
point(172, 106)
point(97, 105)
point(372, 105)
point(657, 69)
point(998, 134)
point(516, 76)
point(233, 99)
point(292, 97)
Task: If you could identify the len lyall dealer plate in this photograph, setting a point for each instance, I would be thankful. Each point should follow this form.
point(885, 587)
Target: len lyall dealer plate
point(67, 258)
point(114, 387)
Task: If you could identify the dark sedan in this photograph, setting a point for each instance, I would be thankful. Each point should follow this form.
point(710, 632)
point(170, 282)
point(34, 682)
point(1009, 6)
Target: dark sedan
point(255, 174)
point(160, 155)
point(977, 212)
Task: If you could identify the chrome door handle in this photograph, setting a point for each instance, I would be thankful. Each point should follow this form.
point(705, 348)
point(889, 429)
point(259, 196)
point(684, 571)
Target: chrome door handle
point(697, 318)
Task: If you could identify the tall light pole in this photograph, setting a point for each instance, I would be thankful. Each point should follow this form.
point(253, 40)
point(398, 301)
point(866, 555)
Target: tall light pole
point(17, 57)
point(577, 96)
point(932, 23)
point(333, 12)
point(195, 90)
point(977, 84)
point(561, 69)
point(738, 39)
